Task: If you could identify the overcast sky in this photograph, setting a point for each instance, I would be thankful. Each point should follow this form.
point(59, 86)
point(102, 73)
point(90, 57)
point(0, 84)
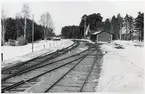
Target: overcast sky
point(70, 13)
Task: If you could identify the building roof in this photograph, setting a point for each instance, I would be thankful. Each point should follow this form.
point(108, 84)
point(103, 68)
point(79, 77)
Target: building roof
point(95, 33)
point(98, 32)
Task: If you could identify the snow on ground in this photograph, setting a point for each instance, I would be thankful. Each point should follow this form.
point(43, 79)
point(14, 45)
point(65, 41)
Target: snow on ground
point(122, 69)
point(24, 53)
point(87, 40)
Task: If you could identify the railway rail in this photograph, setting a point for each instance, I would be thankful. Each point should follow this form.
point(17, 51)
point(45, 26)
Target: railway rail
point(13, 83)
point(63, 86)
point(30, 79)
point(20, 68)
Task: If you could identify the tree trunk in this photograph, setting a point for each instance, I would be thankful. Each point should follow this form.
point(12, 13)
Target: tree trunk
point(44, 33)
point(130, 35)
point(120, 32)
point(142, 35)
point(25, 28)
point(2, 31)
point(139, 36)
point(3, 34)
point(126, 33)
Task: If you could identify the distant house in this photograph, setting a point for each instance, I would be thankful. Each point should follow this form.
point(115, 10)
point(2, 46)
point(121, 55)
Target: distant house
point(101, 36)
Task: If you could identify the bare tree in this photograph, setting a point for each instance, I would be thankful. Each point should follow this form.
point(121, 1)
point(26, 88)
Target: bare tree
point(126, 25)
point(47, 22)
point(3, 22)
point(131, 26)
point(18, 23)
point(42, 21)
point(120, 23)
point(26, 14)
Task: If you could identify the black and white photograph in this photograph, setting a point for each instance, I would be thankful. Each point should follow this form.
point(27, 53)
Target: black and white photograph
point(72, 46)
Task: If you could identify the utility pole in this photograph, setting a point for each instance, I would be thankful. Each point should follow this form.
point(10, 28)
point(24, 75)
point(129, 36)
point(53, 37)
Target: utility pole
point(46, 25)
point(85, 26)
point(44, 31)
point(3, 26)
point(32, 32)
point(120, 30)
point(120, 34)
point(3, 32)
point(25, 27)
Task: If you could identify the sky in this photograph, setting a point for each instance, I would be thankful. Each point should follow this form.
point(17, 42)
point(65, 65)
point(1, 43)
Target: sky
point(69, 13)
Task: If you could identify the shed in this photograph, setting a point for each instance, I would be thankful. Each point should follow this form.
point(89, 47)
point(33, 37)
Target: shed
point(101, 36)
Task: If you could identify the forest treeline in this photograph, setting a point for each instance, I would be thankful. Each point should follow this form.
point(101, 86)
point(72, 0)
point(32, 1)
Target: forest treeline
point(124, 28)
point(14, 29)
point(23, 27)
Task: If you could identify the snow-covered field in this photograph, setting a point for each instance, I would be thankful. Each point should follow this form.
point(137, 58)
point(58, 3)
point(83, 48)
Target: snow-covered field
point(22, 53)
point(122, 69)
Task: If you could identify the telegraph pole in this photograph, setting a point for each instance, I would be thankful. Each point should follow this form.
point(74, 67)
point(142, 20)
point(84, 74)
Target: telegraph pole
point(32, 32)
point(85, 26)
point(46, 26)
point(25, 27)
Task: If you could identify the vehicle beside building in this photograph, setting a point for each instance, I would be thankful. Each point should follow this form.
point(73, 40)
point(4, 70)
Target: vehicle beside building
point(56, 38)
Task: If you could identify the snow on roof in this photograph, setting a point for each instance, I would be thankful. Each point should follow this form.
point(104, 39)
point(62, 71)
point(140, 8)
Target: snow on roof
point(95, 33)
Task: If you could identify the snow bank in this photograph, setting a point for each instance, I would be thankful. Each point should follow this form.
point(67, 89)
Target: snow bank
point(13, 51)
point(15, 54)
point(122, 69)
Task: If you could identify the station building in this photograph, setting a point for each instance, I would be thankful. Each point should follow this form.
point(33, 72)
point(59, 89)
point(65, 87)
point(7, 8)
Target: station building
point(101, 36)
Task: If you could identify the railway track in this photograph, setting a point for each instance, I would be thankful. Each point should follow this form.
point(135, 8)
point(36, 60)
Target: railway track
point(82, 77)
point(20, 68)
point(34, 75)
point(75, 79)
point(21, 82)
point(6, 86)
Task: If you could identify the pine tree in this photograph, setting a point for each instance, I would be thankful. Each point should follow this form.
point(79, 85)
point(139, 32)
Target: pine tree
point(126, 25)
point(107, 25)
point(119, 23)
point(131, 26)
point(114, 28)
point(139, 23)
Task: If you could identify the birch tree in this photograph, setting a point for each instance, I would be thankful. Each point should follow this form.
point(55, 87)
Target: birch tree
point(4, 24)
point(47, 22)
point(139, 24)
point(26, 14)
point(120, 23)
